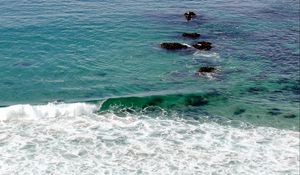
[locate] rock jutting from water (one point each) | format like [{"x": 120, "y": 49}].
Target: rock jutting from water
[
  {"x": 203, "y": 45},
  {"x": 189, "y": 15},
  {"x": 206, "y": 70},
  {"x": 191, "y": 35},
  {"x": 173, "y": 46}
]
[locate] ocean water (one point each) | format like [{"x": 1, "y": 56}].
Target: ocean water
[{"x": 86, "y": 89}]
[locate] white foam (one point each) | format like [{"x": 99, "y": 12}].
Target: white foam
[
  {"x": 186, "y": 45},
  {"x": 73, "y": 139},
  {"x": 29, "y": 112},
  {"x": 207, "y": 54}
]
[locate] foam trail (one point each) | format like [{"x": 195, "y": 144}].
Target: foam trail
[{"x": 207, "y": 54}]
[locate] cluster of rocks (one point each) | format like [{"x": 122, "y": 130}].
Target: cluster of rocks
[{"x": 201, "y": 45}]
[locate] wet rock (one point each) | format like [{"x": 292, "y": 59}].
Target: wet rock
[
  {"x": 290, "y": 116},
  {"x": 203, "y": 45},
  {"x": 274, "y": 111},
  {"x": 196, "y": 101},
  {"x": 173, "y": 46},
  {"x": 206, "y": 70},
  {"x": 191, "y": 35},
  {"x": 189, "y": 15},
  {"x": 239, "y": 111}
]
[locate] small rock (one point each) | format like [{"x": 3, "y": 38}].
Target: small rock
[
  {"x": 203, "y": 45},
  {"x": 191, "y": 35},
  {"x": 206, "y": 70},
  {"x": 173, "y": 46},
  {"x": 189, "y": 15}
]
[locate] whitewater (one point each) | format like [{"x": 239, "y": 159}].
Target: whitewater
[{"x": 75, "y": 138}]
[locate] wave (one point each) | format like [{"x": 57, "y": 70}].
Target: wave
[
  {"x": 77, "y": 138},
  {"x": 51, "y": 110},
  {"x": 137, "y": 103},
  {"x": 169, "y": 101}
]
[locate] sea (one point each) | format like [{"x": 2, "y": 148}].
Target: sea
[{"x": 85, "y": 87}]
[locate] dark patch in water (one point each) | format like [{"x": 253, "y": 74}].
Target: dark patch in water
[
  {"x": 274, "y": 111},
  {"x": 196, "y": 118},
  {"x": 290, "y": 116},
  {"x": 101, "y": 74},
  {"x": 23, "y": 64},
  {"x": 196, "y": 101},
  {"x": 278, "y": 91},
  {"x": 295, "y": 88},
  {"x": 256, "y": 90},
  {"x": 155, "y": 101},
  {"x": 239, "y": 111},
  {"x": 9, "y": 83}
]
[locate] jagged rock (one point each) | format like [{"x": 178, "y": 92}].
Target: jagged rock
[
  {"x": 173, "y": 46},
  {"x": 203, "y": 45},
  {"x": 206, "y": 70},
  {"x": 191, "y": 35},
  {"x": 189, "y": 15}
]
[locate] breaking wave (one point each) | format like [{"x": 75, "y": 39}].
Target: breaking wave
[{"x": 79, "y": 138}]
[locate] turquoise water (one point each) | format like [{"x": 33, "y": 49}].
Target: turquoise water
[{"x": 93, "y": 71}]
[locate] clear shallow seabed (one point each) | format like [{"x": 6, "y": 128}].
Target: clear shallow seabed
[{"x": 86, "y": 89}]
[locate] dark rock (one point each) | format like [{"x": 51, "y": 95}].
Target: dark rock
[
  {"x": 239, "y": 111},
  {"x": 189, "y": 15},
  {"x": 196, "y": 101},
  {"x": 290, "y": 116},
  {"x": 274, "y": 111},
  {"x": 203, "y": 45},
  {"x": 206, "y": 70},
  {"x": 173, "y": 46},
  {"x": 191, "y": 35}
]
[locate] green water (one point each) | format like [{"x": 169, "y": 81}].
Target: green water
[{"x": 90, "y": 51}]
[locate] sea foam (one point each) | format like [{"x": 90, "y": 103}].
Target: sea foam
[{"x": 75, "y": 139}]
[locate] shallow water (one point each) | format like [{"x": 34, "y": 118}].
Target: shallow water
[{"x": 121, "y": 104}]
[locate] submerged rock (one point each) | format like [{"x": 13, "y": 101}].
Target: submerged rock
[
  {"x": 173, "y": 46},
  {"x": 196, "y": 101},
  {"x": 274, "y": 111},
  {"x": 191, "y": 35},
  {"x": 239, "y": 111},
  {"x": 256, "y": 90},
  {"x": 203, "y": 45},
  {"x": 189, "y": 15},
  {"x": 290, "y": 116},
  {"x": 206, "y": 70}
]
